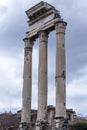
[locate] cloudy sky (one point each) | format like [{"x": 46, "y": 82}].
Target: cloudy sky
[{"x": 13, "y": 25}]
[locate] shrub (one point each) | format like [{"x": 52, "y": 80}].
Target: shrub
[{"x": 79, "y": 126}]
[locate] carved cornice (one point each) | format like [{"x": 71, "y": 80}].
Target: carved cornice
[
  {"x": 40, "y": 11},
  {"x": 43, "y": 16}
]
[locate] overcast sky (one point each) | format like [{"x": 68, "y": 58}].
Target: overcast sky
[{"x": 13, "y": 25}]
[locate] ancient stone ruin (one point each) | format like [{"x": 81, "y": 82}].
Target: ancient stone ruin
[{"x": 44, "y": 18}]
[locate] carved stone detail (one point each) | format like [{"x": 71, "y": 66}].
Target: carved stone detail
[{"x": 44, "y": 18}]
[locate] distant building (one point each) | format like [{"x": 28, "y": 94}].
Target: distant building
[{"x": 10, "y": 121}]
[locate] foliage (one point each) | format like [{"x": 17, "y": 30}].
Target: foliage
[{"x": 79, "y": 126}]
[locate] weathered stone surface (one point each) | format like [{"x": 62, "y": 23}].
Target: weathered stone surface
[
  {"x": 27, "y": 82},
  {"x": 60, "y": 70},
  {"x": 44, "y": 18},
  {"x": 42, "y": 76}
]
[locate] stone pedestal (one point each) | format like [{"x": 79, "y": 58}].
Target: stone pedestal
[
  {"x": 46, "y": 18},
  {"x": 60, "y": 70},
  {"x": 27, "y": 84},
  {"x": 24, "y": 126},
  {"x": 41, "y": 125},
  {"x": 61, "y": 124}
]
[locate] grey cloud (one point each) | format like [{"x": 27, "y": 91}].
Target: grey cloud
[
  {"x": 13, "y": 31},
  {"x": 79, "y": 104},
  {"x": 76, "y": 50},
  {"x": 3, "y": 10}
]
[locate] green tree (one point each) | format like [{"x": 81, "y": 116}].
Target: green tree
[{"x": 79, "y": 126}]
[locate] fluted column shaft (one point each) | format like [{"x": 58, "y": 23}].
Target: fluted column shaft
[
  {"x": 60, "y": 70},
  {"x": 27, "y": 82},
  {"x": 42, "y": 76}
]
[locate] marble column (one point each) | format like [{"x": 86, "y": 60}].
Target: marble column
[
  {"x": 60, "y": 70},
  {"x": 42, "y": 76},
  {"x": 27, "y": 82}
]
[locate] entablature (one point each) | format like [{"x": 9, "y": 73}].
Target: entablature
[
  {"x": 40, "y": 11},
  {"x": 42, "y": 16}
]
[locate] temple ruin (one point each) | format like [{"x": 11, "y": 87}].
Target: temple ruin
[{"x": 44, "y": 18}]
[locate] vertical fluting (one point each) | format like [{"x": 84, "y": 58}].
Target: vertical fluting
[
  {"x": 42, "y": 76},
  {"x": 27, "y": 82},
  {"x": 60, "y": 70}
]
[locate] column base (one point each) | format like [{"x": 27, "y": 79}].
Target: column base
[
  {"x": 41, "y": 125},
  {"x": 61, "y": 123},
  {"x": 24, "y": 126}
]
